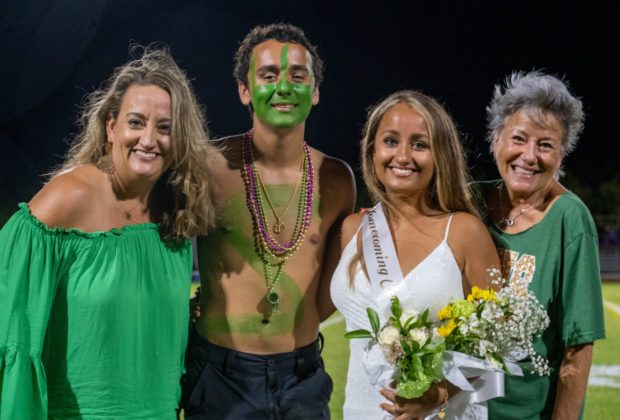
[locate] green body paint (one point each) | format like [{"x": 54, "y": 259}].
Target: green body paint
[
  {"x": 264, "y": 97},
  {"x": 235, "y": 228}
]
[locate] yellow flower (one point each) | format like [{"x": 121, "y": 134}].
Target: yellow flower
[
  {"x": 446, "y": 329},
  {"x": 477, "y": 293},
  {"x": 445, "y": 313}
]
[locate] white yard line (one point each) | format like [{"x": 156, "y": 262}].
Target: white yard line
[
  {"x": 612, "y": 306},
  {"x": 331, "y": 321},
  {"x": 605, "y": 375}
]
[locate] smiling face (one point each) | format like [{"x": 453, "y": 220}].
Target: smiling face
[
  {"x": 282, "y": 89},
  {"x": 140, "y": 134},
  {"x": 528, "y": 153},
  {"x": 402, "y": 157}
]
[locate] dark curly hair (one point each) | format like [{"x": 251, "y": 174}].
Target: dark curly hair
[{"x": 281, "y": 32}]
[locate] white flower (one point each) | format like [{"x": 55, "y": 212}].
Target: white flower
[
  {"x": 408, "y": 313},
  {"x": 388, "y": 335},
  {"x": 490, "y": 361},
  {"x": 485, "y": 346},
  {"x": 472, "y": 325},
  {"x": 420, "y": 335},
  {"x": 491, "y": 311}
]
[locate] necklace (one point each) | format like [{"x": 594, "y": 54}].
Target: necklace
[
  {"x": 510, "y": 221},
  {"x": 278, "y": 226},
  {"x": 127, "y": 213},
  {"x": 272, "y": 252}
]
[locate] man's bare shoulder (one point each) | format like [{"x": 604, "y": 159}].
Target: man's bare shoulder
[
  {"x": 226, "y": 157},
  {"x": 68, "y": 197},
  {"x": 336, "y": 178},
  {"x": 332, "y": 167}
]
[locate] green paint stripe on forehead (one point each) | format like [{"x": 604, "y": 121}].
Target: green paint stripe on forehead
[
  {"x": 252, "y": 76},
  {"x": 284, "y": 57}
]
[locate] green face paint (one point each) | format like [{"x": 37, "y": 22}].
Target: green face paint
[{"x": 272, "y": 102}]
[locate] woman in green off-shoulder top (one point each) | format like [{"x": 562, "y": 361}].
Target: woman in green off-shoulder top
[{"x": 95, "y": 271}]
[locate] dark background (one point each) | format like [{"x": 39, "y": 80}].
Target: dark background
[{"x": 52, "y": 53}]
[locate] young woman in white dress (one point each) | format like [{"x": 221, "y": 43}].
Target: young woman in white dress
[{"x": 414, "y": 166}]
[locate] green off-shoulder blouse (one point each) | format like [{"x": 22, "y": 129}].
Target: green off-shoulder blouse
[{"x": 92, "y": 325}]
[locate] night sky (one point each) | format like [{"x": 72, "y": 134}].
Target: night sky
[{"x": 54, "y": 52}]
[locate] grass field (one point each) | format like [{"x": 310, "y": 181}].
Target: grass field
[{"x": 601, "y": 402}]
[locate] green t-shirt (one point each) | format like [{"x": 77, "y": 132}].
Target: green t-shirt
[
  {"x": 92, "y": 325},
  {"x": 559, "y": 259}
]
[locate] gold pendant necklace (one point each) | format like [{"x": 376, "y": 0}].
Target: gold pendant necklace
[{"x": 278, "y": 225}]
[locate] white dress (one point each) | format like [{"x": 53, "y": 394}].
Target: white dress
[{"x": 432, "y": 284}]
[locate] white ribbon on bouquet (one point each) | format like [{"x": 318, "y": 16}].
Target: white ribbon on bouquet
[{"x": 470, "y": 402}]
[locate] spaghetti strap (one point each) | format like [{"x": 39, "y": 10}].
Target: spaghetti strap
[{"x": 445, "y": 237}]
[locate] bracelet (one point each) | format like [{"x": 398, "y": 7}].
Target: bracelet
[{"x": 444, "y": 404}]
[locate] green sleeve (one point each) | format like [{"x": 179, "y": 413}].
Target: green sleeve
[
  {"x": 581, "y": 308},
  {"x": 29, "y": 260}
]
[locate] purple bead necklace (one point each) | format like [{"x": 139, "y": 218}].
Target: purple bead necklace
[{"x": 272, "y": 252}]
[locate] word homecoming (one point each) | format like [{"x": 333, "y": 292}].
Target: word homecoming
[{"x": 376, "y": 244}]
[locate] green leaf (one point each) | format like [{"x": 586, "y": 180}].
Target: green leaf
[
  {"x": 416, "y": 363},
  {"x": 408, "y": 325},
  {"x": 433, "y": 348},
  {"x": 358, "y": 334},
  {"x": 424, "y": 317},
  {"x": 374, "y": 320},
  {"x": 406, "y": 347},
  {"x": 396, "y": 310}
]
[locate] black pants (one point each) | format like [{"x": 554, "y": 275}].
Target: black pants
[{"x": 223, "y": 383}]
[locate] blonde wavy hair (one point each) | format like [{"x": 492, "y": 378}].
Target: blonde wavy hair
[
  {"x": 181, "y": 200},
  {"x": 449, "y": 189}
]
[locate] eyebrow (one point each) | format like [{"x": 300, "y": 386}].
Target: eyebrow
[
  {"x": 268, "y": 68},
  {"x": 414, "y": 136},
  {"x": 142, "y": 116},
  {"x": 525, "y": 133},
  {"x": 299, "y": 67},
  {"x": 136, "y": 114}
]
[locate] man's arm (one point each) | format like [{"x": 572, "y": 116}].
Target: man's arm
[{"x": 572, "y": 381}]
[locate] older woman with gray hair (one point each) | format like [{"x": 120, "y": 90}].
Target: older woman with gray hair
[{"x": 546, "y": 238}]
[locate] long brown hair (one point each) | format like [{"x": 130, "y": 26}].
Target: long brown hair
[{"x": 182, "y": 201}]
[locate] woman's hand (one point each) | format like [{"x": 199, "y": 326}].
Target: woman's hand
[{"x": 416, "y": 408}]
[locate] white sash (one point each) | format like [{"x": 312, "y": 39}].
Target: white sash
[{"x": 380, "y": 256}]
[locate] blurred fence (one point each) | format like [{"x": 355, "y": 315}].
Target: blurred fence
[{"x": 609, "y": 249}]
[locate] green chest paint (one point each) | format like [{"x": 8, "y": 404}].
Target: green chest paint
[{"x": 234, "y": 229}]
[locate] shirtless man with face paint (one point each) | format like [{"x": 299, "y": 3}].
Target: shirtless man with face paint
[{"x": 254, "y": 352}]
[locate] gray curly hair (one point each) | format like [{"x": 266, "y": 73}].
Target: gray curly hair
[{"x": 538, "y": 94}]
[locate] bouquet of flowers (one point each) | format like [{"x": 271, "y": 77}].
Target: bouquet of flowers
[
  {"x": 495, "y": 327},
  {"x": 408, "y": 342}
]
